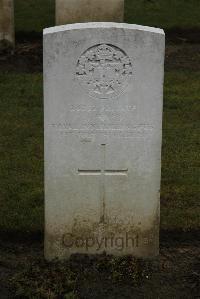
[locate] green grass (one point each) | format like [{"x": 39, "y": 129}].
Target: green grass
[
  {"x": 34, "y": 15},
  {"x": 180, "y": 207},
  {"x": 21, "y": 152},
  {"x": 163, "y": 13}
]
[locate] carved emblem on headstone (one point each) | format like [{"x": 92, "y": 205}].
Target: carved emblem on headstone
[{"x": 104, "y": 71}]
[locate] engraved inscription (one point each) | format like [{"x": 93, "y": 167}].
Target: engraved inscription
[
  {"x": 125, "y": 131},
  {"x": 104, "y": 71},
  {"x": 103, "y": 108}
]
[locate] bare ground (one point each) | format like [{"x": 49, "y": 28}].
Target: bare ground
[{"x": 24, "y": 273}]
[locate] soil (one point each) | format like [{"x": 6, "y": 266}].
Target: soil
[
  {"x": 179, "y": 35},
  {"x": 176, "y": 274},
  {"x": 27, "y": 57}
]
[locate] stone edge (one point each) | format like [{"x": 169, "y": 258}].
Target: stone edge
[{"x": 106, "y": 25}]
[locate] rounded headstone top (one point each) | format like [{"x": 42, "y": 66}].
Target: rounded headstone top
[{"x": 105, "y": 25}]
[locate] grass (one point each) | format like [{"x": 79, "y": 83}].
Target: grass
[
  {"x": 180, "y": 207},
  {"x": 163, "y": 13},
  {"x": 34, "y": 15},
  {"x": 21, "y": 152}
]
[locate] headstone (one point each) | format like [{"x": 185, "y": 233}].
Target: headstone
[
  {"x": 6, "y": 24},
  {"x": 103, "y": 85},
  {"x": 79, "y": 11}
]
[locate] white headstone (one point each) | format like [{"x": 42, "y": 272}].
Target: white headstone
[
  {"x": 103, "y": 85},
  {"x": 78, "y": 11},
  {"x": 6, "y": 23}
]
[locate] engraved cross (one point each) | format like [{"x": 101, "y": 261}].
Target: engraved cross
[{"x": 103, "y": 171}]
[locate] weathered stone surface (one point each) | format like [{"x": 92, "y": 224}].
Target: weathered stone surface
[
  {"x": 78, "y": 11},
  {"x": 103, "y": 85},
  {"x": 6, "y": 24}
]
